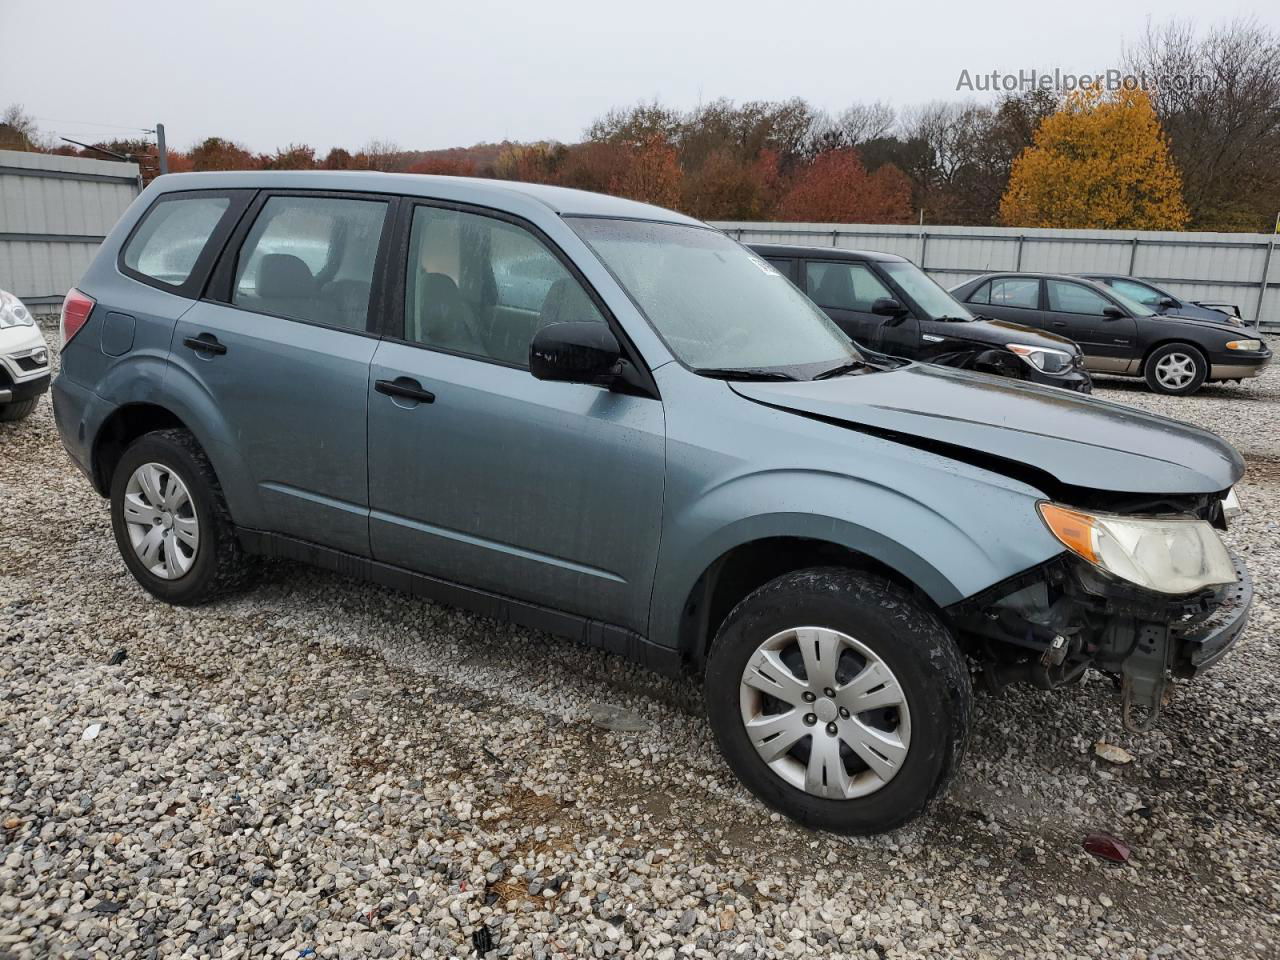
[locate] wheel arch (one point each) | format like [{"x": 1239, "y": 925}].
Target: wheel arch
[
  {"x": 1169, "y": 342},
  {"x": 121, "y": 428},
  {"x": 739, "y": 571}
]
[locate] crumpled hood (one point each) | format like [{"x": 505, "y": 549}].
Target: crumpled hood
[{"x": 1076, "y": 439}]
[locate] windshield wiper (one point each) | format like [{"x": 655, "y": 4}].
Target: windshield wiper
[
  {"x": 955, "y": 319},
  {"x": 845, "y": 366},
  {"x": 743, "y": 373}
]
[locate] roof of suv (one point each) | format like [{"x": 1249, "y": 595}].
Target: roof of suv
[
  {"x": 562, "y": 200},
  {"x": 825, "y": 253}
]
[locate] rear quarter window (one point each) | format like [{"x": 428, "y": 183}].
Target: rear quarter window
[{"x": 168, "y": 242}]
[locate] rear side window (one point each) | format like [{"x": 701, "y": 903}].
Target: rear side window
[
  {"x": 171, "y": 237},
  {"x": 1067, "y": 297},
  {"x": 311, "y": 258},
  {"x": 844, "y": 286},
  {"x": 1015, "y": 292}
]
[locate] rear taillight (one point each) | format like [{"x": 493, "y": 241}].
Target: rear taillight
[{"x": 75, "y": 311}]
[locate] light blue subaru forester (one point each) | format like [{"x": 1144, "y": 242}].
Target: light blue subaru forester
[{"x": 610, "y": 421}]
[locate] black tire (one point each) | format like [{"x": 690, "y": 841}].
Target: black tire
[
  {"x": 1151, "y": 369},
  {"x": 220, "y": 565},
  {"x": 20, "y": 410},
  {"x": 905, "y": 635}
]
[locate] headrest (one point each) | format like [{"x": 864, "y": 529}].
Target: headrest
[
  {"x": 284, "y": 275},
  {"x": 439, "y": 289},
  {"x": 836, "y": 288},
  {"x": 566, "y": 302}
]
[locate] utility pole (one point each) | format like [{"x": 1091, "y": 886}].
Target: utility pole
[{"x": 161, "y": 152}]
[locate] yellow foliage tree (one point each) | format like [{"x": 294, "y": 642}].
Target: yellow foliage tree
[{"x": 1097, "y": 162}]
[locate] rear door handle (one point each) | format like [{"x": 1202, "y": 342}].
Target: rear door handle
[
  {"x": 1059, "y": 323},
  {"x": 404, "y": 387},
  {"x": 205, "y": 343}
]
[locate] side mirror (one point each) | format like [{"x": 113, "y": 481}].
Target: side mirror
[
  {"x": 1112, "y": 312},
  {"x": 1167, "y": 303},
  {"x": 887, "y": 307},
  {"x": 578, "y": 352}
]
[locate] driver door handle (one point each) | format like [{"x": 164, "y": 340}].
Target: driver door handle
[{"x": 404, "y": 387}]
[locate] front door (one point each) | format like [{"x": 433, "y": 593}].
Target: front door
[
  {"x": 281, "y": 348},
  {"x": 845, "y": 291},
  {"x": 481, "y": 474},
  {"x": 1080, "y": 312}
]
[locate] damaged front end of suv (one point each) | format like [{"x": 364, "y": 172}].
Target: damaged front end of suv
[
  {"x": 1145, "y": 591},
  {"x": 1140, "y": 586}
]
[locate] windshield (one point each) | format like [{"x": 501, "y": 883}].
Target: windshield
[
  {"x": 924, "y": 290},
  {"x": 716, "y": 305},
  {"x": 1130, "y": 304}
]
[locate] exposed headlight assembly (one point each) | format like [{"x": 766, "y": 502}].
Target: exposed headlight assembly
[
  {"x": 13, "y": 313},
  {"x": 1165, "y": 554},
  {"x": 1244, "y": 345},
  {"x": 1044, "y": 359}
]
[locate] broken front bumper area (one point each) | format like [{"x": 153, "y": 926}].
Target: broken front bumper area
[{"x": 1050, "y": 624}]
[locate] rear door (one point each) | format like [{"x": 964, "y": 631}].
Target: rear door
[
  {"x": 281, "y": 345},
  {"x": 1078, "y": 311},
  {"x": 1016, "y": 299},
  {"x": 481, "y": 474}
]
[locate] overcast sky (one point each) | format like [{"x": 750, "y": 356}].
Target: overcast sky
[{"x": 429, "y": 74}]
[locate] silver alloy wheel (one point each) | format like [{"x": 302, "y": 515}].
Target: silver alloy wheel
[
  {"x": 1175, "y": 370},
  {"x": 825, "y": 713},
  {"x": 161, "y": 520}
]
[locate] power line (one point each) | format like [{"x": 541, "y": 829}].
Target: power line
[{"x": 91, "y": 123}]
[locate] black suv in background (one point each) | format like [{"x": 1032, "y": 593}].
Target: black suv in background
[
  {"x": 1119, "y": 335},
  {"x": 870, "y": 294}
]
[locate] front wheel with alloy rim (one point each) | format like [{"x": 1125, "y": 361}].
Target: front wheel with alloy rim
[
  {"x": 1176, "y": 369},
  {"x": 839, "y": 699},
  {"x": 170, "y": 521}
]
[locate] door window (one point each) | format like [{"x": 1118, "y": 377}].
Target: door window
[
  {"x": 1067, "y": 297},
  {"x": 311, "y": 258},
  {"x": 844, "y": 286},
  {"x": 483, "y": 287},
  {"x": 1015, "y": 292},
  {"x": 1137, "y": 291},
  {"x": 171, "y": 237}
]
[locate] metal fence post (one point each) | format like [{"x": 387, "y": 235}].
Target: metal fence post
[
  {"x": 1018, "y": 264},
  {"x": 924, "y": 246},
  {"x": 1133, "y": 255},
  {"x": 1262, "y": 287}
]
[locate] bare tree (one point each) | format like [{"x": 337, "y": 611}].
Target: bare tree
[
  {"x": 18, "y": 130},
  {"x": 866, "y": 121},
  {"x": 1218, "y": 99}
]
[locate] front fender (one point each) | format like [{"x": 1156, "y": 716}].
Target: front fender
[{"x": 950, "y": 545}]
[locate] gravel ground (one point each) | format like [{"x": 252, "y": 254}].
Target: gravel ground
[{"x": 326, "y": 768}]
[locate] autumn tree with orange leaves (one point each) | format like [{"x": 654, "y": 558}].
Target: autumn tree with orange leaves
[
  {"x": 835, "y": 188},
  {"x": 1099, "y": 162},
  {"x": 653, "y": 174}
]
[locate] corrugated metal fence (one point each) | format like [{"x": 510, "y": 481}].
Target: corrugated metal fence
[
  {"x": 1237, "y": 268},
  {"x": 54, "y": 211}
]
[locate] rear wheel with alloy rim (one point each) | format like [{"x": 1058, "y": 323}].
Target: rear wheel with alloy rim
[
  {"x": 170, "y": 521},
  {"x": 1177, "y": 369},
  {"x": 839, "y": 699}
]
